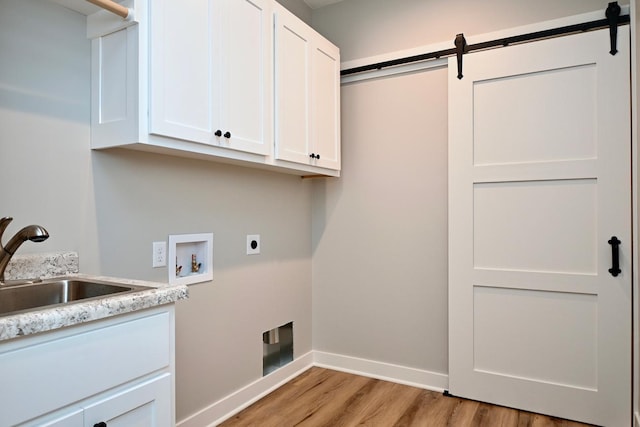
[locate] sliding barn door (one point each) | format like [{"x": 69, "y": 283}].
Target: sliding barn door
[{"x": 539, "y": 170}]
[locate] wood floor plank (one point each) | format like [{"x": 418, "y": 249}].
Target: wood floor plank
[
  {"x": 342, "y": 412},
  {"x": 418, "y": 409},
  {"x": 464, "y": 414},
  {"x": 498, "y": 416},
  {"x": 445, "y": 410},
  {"x": 320, "y": 410},
  {"x": 325, "y": 398},
  {"x": 269, "y": 411},
  {"x": 382, "y": 404}
]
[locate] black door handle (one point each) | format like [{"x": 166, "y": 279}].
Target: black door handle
[
  {"x": 615, "y": 256},
  {"x": 218, "y": 133},
  {"x": 227, "y": 134}
]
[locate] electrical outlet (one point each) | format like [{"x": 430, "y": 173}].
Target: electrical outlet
[
  {"x": 159, "y": 254},
  {"x": 253, "y": 244}
]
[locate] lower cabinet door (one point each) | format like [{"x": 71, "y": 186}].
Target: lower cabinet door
[
  {"x": 73, "y": 418},
  {"x": 143, "y": 405}
]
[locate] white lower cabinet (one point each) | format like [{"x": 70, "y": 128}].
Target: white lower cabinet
[{"x": 108, "y": 373}]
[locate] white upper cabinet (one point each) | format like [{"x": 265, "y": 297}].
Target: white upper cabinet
[
  {"x": 210, "y": 72},
  {"x": 197, "y": 79},
  {"x": 307, "y": 94}
]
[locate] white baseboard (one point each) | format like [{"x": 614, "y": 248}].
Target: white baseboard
[
  {"x": 636, "y": 419},
  {"x": 232, "y": 404},
  {"x": 383, "y": 371}
]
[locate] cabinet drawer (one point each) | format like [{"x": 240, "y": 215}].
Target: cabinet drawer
[{"x": 47, "y": 375}]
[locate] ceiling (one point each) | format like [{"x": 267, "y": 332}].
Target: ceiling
[
  {"x": 87, "y": 8},
  {"x": 315, "y": 4}
]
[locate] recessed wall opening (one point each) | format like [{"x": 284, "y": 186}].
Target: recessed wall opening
[{"x": 277, "y": 348}]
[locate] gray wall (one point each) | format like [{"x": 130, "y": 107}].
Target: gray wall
[
  {"x": 635, "y": 54},
  {"x": 380, "y": 231},
  {"x": 110, "y": 205},
  {"x": 363, "y": 28},
  {"x": 298, "y": 8}
]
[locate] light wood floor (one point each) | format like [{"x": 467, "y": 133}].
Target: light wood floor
[{"x": 322, "y": 397}]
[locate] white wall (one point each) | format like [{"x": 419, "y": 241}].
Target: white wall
[
  {"x": 110, "y": 205},
  {"x": 379, "y": 233}
]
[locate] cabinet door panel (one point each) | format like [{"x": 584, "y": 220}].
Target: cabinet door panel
[
  {"x": 69, "y": 419},
  {"x": 326, "y": 104},
  {"x": 181, "y": 49},
  {"x": 145, "y": 405},
  {"x": 293, "y": 89},
  {"x": 114, "y": 105},
  {"x": 244, "y": 63}
]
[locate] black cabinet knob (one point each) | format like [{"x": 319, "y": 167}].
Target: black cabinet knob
[
  {"x": 318, "y": 156},
  {"x": 100, "y": 424},
  {"x": 218, "y": 133},
  {"x": 227, "y": 135},
  {"x": 314, "y": 156}
]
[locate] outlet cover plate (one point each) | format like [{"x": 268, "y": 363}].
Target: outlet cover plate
[
  {"x": 159, "y": 254},
  {"x": 253, "y": 244}
]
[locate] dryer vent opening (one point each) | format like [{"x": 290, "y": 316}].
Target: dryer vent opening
[{"x": 277, "y": 348}]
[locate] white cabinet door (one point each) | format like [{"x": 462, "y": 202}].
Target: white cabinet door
[
  {"x": 182, "y": 98},
  {"x": 325, "y": 103},
  {"x": 210, "y": 72},
  {"x": 293, "y": 88},
  {"x": 74, "y": 418},
  {"x": 242, "y": 72},
  {"x": 145, "y": 405},
  {"x": 307, "y": 82},
  {"x": 539, "y": 182}
]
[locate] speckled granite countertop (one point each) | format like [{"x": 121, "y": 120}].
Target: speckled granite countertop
[{"x": 59, "y": 316}]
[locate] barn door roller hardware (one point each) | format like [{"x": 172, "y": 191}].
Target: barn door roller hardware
[
  {"x": 612, "y": 20},
  {"x": 613, "y": 15},
  {"x": 461, "y": 49}
]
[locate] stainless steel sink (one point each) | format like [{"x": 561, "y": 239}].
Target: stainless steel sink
[{"x": 19, "y": 298}]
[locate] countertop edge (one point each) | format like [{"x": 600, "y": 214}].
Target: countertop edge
[{"x": 55, "y": 317}]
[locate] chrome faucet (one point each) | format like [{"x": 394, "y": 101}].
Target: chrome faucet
[{"x": 35, "y": 233}]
